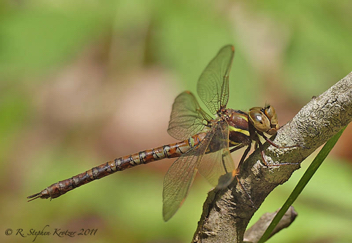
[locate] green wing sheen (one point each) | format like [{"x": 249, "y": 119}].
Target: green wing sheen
[
  {"x": 213, "y": 84},
  {"x": 217, "y": 160},
  {"x": 211, "y": 158},
  {"x": 187, "y": 118}
]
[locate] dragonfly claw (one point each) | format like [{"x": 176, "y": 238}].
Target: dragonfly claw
[
  {"x": 43, "y": 194},
  {"x": 34, "y": 196}
]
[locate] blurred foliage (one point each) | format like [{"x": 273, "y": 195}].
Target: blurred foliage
[{"x": 84, "y": 81}]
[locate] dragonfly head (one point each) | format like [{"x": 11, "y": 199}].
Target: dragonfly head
[{"x": 264, "y": 119}]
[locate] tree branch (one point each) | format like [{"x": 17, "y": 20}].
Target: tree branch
[
  {"x": 226, "y": 212},
  {"x": 255, "y": 232}
]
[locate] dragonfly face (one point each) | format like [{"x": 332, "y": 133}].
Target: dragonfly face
[{"x": 264, "y": 119}]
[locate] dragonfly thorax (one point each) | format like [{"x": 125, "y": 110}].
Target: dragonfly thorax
[
  {"x": 244, "y": 125},
  {"x": 239, "y": 127}
]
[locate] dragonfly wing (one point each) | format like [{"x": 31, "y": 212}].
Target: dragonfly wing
[
  {"x": 213, "y": 84},
  {"x": 215, "y": 165},
  {"x": 218, "y": 161},
  {"x": 180, "y": 176},
  {"x": 176, "y": 185},
  {"x": 187, "y": 118}
]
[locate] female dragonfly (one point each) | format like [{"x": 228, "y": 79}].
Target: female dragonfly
[{"x": 206, "y": 142}]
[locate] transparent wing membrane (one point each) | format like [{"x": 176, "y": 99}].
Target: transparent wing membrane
[
  {"x": 176, "y": 189},
  {"x": 180, "y": 176},
  {"x": 213, "y": 84},
  {"x": 187, "y": 118},
  {"x": 217, "y": 161},
  {"x": 211, "y": 158}
]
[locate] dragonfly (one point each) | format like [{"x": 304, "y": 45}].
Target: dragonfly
[{"x": 206, "y": 141}]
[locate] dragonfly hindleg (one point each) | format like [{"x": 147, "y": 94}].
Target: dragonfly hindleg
[{"x": 276, "y": 146}]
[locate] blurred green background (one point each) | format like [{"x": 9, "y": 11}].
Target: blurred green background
[{"x": 84, "y": 82}]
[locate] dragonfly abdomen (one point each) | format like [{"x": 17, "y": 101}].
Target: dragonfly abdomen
[
  {"x": 119, "y": 164},
  {"x": 150, "y": 155}
]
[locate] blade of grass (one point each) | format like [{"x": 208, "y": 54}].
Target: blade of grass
[{"x": 318, "y": 160}]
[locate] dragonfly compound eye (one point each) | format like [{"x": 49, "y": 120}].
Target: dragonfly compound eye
[
  {"x": 259, "y": 120},
  {"x": 271, "y": 114}
]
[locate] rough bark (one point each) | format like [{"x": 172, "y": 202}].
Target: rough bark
[{"x": 227, "y": 212}]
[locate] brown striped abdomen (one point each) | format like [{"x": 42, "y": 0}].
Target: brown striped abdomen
[{"x": 143, "y": 157}]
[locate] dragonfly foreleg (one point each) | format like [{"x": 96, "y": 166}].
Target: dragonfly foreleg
[{"x": 278, "y": 146}]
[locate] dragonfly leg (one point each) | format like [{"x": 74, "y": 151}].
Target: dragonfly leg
[
  {"x": 236, "y": 172},
  {"x": 223, "y": 162},
  {"x": 228, "y": 177},
  {"x": 260, "y": 145},
  {"x": 243, "y": 157},
  {"x": 276, "y": 146}
]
